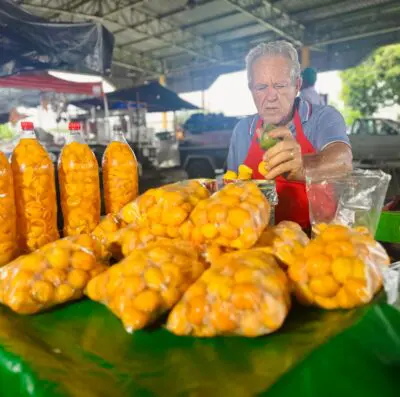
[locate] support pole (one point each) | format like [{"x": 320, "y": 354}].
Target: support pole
[
  {"x": 162, "y": 81},
  {"x": 305, "y": 57}
]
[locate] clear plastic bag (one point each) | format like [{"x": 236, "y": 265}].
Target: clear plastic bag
[
  {"x": 79, "y": 185},
  {"x": 165, "y": 208},
  {"x": 35, "y": 193},
  {"x": 148, "y": 282},
  {"x": 233, "y": 217},
  {"x": 286, "y": 240},
  {"x": 8, "y": 217},
  {"x": 340, "y": 268},
  {"x": 54, "y": 274},
  {"x": 354, "y": 199},
  {"x": 120, "y": 174},
  {"x": 243, "y": 293}
]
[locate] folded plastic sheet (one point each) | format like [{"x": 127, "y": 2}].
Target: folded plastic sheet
[{"x": 82, "y": 350}]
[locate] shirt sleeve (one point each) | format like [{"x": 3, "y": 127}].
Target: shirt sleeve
[
  {"x": 330, "y": 128},
  {"x": 232, "y": 160}
]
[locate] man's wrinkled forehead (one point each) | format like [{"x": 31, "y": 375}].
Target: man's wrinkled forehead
[{"x": 270, "y": 68}]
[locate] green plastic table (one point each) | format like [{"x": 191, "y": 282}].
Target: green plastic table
[{"x": 82, "y": 350}]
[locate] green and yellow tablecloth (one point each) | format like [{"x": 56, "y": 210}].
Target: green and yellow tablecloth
[{"x": 82, "y": 350}]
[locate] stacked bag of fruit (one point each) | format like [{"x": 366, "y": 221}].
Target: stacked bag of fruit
[
  {"x": 158, "y": 213},
  {"x": 54, "y": 274}
]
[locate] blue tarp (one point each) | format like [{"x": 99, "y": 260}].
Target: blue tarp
[
  {"x": 28, "y": 42},
  {"x": 153, "y": 95}
]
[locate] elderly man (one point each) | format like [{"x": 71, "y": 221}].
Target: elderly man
[{"x": 312, "y": 138}]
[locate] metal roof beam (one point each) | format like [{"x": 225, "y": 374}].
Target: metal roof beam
[
  {"x": 337, "y": 9},
  {"x": 152, "y": 26},
  {"x": 272, "y": 18}
]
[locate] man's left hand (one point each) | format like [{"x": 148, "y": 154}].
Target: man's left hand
[{"x": 285, "y": 157}]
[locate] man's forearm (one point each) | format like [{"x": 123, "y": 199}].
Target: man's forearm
[{"x": 335, "y": 159}]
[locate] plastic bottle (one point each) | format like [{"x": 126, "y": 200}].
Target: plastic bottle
[
  {"x": 78, "y": 173},
  {"x": 120, "y": 173},
  {"x": 35, "y": 192},
  {"x": 8, "y": 216}
]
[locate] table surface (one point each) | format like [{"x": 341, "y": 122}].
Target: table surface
[{"x": 81, "y": 349}]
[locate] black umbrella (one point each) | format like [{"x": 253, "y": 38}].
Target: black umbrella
[{"x": 154, "y": 96}]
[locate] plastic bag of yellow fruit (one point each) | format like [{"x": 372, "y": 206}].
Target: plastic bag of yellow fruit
[
  {"x": 285, "y": 240},
  {"x": 78, "y": 173},
  {"x": 104, "y": 231},
  {"x": 56, "y": 273},
  {"x": 8, "y": 217},
  {"x": 120, "y": 173},
  {"x": 148, "y": 282},
  {"x": 165, "y": 208},
  {"x": 243, "y": 293},
  {"x": 233, "y": 217},
  {"x": 35, "y": 192},
  {"x": 340, "y": 268}
]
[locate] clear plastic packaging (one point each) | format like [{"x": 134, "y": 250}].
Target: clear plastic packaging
[
  {"x": 120, "y": 173},
  {"x": 54, "y": 274},
  {"x": 243, "y": 293},
  {"x": 104, "y": 233},
  {"x": 233, "y": 217},
  {"x": 78, "y": 173},
  {"x": 286, "y": 241},
  {"x": 340, "y": 268},
  {"x": 148, "y": 282},
  {"x": 8, "y": 216},
  {"x": 354, "y": 199},
  {"x": 35, "y": 192},
  {"x": 166, "y": 208},
  {"x": 268, "y": 188}
]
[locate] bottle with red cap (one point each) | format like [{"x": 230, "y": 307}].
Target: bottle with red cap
[
  {"x": 78, "y": 174},
  {"x": 120, "y": 173},
  {"x": 8, "y": 216},
  {"x": 35, "y": 192}
]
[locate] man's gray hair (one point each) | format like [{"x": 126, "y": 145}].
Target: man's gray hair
[{"x": 274, "y": 48}]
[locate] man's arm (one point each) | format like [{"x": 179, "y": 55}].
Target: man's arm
[
  {"x": 333, "y": 155},
  {"x": 336, "y": 158}
]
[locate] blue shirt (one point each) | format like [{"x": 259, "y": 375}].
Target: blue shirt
[{"x": 324, "y": 126}]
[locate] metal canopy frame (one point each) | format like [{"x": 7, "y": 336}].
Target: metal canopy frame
[{"x": 191, "y": 38}]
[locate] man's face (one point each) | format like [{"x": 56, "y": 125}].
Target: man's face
[{"x": 272, "y": 89}]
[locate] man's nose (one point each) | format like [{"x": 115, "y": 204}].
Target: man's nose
[{"x": 271, "y": 94}]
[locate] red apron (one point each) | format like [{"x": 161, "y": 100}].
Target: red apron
[{"x": 292, "y": 195}]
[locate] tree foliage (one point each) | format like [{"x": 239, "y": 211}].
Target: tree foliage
[{"x": 374, "y": 83}]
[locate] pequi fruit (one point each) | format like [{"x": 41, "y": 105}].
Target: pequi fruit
[{"x": 267, "y": 142}]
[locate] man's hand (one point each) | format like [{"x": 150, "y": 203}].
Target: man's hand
[{"x": 285, "y": 157}]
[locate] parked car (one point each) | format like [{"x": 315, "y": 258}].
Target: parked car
[{"x": 375, "y": 140}]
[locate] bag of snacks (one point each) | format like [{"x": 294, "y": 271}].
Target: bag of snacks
[
  {"x": 104, "y": 232},
  {"x": 148, "y": 282},
  {"x": 120, "y": 173},
  {"x": 243, "y": 293},
  {"x": 79, "y": 185},
  {"x": 233, "y": 217},
  {"x": 165, "y": 208},
  {"x": 8, "y": 217},
  {"x": 56, "y": 273},
  {"x": 340, "y": 268},
  {"x": 353, "y": 200},
  {"x": 286, "y": 241},
  {"x": 35, "y": 192}
]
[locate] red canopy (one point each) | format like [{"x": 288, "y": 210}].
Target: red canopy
[{"x": 46, "y": 82}]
